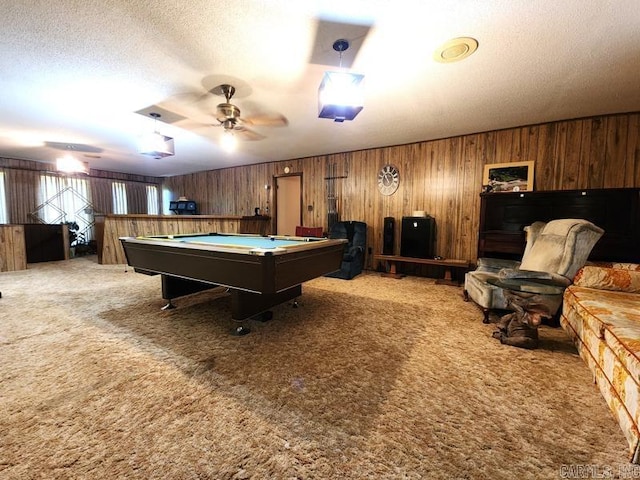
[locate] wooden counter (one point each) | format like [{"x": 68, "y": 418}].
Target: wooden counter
[
  {"x": 13, "y": 251},
  {"x": 109, "y": 228}
]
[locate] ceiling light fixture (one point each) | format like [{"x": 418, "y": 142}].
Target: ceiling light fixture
[
  {"x": 341, "y": 94},
  {"x": 455, "y": 50},
  {"x": 155, "y": 144},
  {"x": 69, "y": 164}
]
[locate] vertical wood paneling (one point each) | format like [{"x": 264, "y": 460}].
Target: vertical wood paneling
[
  {"x": 597, "y": 153},
  {"x": 13, "y": 252},
  {"x": 447, "y": 232},
  {"x": 442, "y": 177},
  {"x": 544, "y": 157},
  {"x": 633, "y": 152},
  {"x": 615, "y": 151},
  {"x": 585, "y": 154},
  {"x": 559, "y": 151},
  {"x": 571, "y": 155},
  {"x": 469, "y": 178},
  {"x": 437, "y": 209},
  {"x": 516, "y": 145},
  {"x": 504, "y": 146}
]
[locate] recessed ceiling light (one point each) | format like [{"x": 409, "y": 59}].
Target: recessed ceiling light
[{"x": 455, "y": 49}]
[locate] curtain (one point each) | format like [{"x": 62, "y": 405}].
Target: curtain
[
  {"x": 119, "y": 193},
  {"x": 21, "y": 191},
  {"x": 124, "y": 197},
  {"x": 152, "y": 200},
  {"x": 102, "y": 195},
  {"x": 66, "y": 200},
  {"x": 136, "y": 197}
]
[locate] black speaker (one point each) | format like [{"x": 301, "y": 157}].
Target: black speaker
[
  {"x": 388, "y": 235},
  {"x": 417, "y": 237}
]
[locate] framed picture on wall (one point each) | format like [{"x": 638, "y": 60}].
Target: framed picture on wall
[{"x": 508, "y": 177}]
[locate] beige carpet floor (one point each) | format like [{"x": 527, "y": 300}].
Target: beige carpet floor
[{"x": 369, "y": 378}]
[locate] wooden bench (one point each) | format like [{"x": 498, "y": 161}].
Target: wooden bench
[{"x": 391, "y": 262}]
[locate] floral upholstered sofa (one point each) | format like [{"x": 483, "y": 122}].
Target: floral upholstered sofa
[{"x": 601, "y": 313}]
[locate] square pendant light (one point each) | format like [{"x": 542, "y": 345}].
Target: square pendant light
[
  {"x": 340, "y": 96},
  {"x": 155, "y": 144}
]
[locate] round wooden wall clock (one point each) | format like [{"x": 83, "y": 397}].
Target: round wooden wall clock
[{"x": 388, "y": 179}]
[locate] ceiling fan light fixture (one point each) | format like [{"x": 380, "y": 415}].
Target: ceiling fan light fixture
[
  {"x": 228, "y": 142},
  {"x": 227, "y": 111},
  {"x": 155, "y": 144}
]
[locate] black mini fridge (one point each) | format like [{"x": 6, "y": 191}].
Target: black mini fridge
[{"x": 418, "y": 234}]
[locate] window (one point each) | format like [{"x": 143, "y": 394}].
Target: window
[
  {"x": 119, "y": 191},
  {"x": 3, "y": 201},
  {"x": 66, "y": 200},
  {"x": 167, "y": 194},
  {"x": 152, "y": 200}
]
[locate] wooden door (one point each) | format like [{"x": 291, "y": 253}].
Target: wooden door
[{"x": 288, "y": 204}]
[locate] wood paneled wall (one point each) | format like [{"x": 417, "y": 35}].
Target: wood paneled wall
[
  {"x": 13, "y": 251},
  {"x": 441, "y": 177}
]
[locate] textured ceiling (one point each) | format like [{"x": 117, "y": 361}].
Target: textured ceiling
[{"x": 74, "y": 74}]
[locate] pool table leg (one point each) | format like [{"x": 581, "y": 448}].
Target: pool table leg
[
  {"x": 168, "y": 306},
  {"x": 174, "y": 287},
  {"x": 245, "y": 304}
]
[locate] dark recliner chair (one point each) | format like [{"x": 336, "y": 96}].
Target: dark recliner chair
[{"x": 353, "y": 257}]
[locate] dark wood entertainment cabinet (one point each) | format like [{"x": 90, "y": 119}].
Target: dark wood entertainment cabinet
[{"x": 617, "y": 210}]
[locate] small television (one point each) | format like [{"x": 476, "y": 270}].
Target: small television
[{"x": 184, "y": 207}]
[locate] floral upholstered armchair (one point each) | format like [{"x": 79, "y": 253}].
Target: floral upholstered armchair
[{"x": 555, "y": 251}]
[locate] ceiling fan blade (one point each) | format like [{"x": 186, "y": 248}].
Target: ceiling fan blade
[
  {"x": 248, "y": 134},
  {"x": 266, "y": 120}
]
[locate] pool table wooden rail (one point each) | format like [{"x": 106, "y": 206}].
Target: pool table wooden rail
[{"x": 180, "y": 241}]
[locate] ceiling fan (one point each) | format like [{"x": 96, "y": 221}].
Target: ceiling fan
[{"x": 228, "y": 116}]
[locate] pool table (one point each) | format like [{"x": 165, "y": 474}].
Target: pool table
[{"x": 260, "y": 271}]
